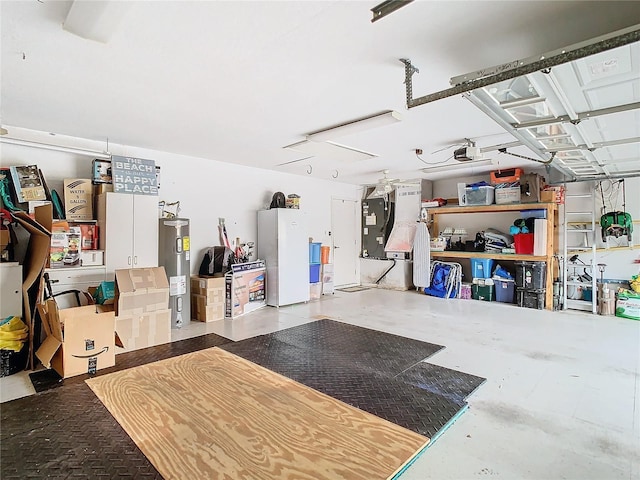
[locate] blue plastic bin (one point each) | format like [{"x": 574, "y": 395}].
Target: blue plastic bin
[
  {"x": 314, "y": 272},
  {"x": 314, "y": 252},
  {"x": 505, "y": 290},
  {"x": 481, "y": 267}
]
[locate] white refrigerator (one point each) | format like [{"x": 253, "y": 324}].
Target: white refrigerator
[{"x": 283, "y": 243}]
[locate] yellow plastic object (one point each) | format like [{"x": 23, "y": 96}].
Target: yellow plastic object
[{"x": 13, "y": 334}]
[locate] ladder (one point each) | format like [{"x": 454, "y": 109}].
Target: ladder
[{"x": 580, "y": 268}]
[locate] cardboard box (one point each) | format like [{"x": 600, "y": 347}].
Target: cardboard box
[
  {"x": 65, "y": 248},
  {"x": 205, "y": 311},
  {"x": 35, "y": 258},
  {"x": 27, "y": 183},
  {"x": 244, "y": 288},
  {"x": 142, "y": 331},
  {"x": 79, "y": 340},
  {"x": 78, "y": 199},
  {"x": 5, "y": 239},
  {"x": 92, "y": 258},
  {"x": 141, "y": 290},
  {"x": 212, "y": 288}
]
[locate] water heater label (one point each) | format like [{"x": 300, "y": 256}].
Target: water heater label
[{"x": 177, "y": 285}]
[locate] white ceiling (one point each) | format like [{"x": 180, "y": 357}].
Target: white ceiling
[{"x": 236, "y": 81}]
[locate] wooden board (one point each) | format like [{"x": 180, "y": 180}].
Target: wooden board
[{"x": 211, "y": 414}]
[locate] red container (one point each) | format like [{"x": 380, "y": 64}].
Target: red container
[{"x": 524, "y": 243}]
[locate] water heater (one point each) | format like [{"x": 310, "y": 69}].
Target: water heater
[{"x": 174, "y": 255}]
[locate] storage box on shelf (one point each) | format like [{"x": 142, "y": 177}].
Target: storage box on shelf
[
  {"x": 531, "y": 298},
  {"x": 482, "y": 289},
  {"x": 549, "y": 211},
  {"x": 481, "y": 267},
  {"x": 479, "y": 195}
]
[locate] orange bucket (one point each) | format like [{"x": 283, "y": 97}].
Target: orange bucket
[{"x": 324, "y": 254}]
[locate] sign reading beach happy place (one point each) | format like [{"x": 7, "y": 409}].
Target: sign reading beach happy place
[{"x": 134, "y": 175}]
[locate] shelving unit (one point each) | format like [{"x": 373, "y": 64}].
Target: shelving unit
[{"x": 552, "y": 217}]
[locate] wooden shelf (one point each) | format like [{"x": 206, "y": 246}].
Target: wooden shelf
[
  {"x": 509, "y": 207},
  {"x": 495, "y": 256},
  {"x": 551, "y": 210}
]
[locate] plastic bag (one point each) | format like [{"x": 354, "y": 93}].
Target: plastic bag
[{"x": 13, "y": 333}]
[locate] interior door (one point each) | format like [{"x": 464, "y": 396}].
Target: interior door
[{"x": 344, "y": 235}]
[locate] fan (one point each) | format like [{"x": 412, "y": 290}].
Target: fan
[{"x": 384, "y": 186}]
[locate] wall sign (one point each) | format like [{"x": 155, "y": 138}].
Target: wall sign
[{"x": 134, "y": 175}]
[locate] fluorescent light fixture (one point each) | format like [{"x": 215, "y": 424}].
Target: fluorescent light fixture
[
  {"x": 387, "y": 7},
  {"x": 457, "y": 166},
  {"x": 355, "y": 126},
  {"x": 57, "y": 148},
  {"x": 95, "y": 20}
]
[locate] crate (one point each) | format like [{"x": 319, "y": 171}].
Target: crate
[
  {"x": 314, "y": 252},
  {"x": 507, "y": 195},
  {"x": 314, "y": 272},
  {"x": 523, "y": 243},
  {"x": 481, "y": 267},
  {"x": 531, "y": 298},
  {"x": 505, "y": 290},
  {"x": 479, "y": 195},
  {"x": 531, "y": 275},
  {"x": 482, "y": 292}
]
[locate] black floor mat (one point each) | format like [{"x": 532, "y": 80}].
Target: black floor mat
[
  {"x": 451, "y": 384},
  {"x": 45, "y": 380},
  {"x": 66, "y": 432}
]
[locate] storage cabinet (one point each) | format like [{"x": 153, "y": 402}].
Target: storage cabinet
[
  {"x": 551, "y": 214},
  {"x": 128, "y": 231},
  {"x": 11, "y": 291},
  {"x": 74, "y": 278}
]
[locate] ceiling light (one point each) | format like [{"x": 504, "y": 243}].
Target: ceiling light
[
  {"x": 387, "y": 7},
  {"x": 95, "y": 20},
  {"x": 457, "y": 166},
  {"x": 56, "y": 148},
  {"x": 355, "y": 126}
]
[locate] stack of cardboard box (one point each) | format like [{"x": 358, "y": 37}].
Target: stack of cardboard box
[
  {"x": 141, "y": 301},
  {"x": 207, "y": 298}
]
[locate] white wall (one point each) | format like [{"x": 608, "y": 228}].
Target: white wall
[{"x": 206, "y": 189}]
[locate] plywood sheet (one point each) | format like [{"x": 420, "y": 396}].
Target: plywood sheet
[{"x": 211, "y": 414}]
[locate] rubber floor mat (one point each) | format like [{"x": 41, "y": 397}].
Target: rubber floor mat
[
  {"x": 357, "y": 366},
  {"x": 357, "y": 288},
  {"x": 454, "y": 385}
]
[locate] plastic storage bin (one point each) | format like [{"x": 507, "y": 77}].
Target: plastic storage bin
[
  {"x": 531, "y": 298},
  {"x": 507, "y": 195},
  {"x": 523, "y": 243},
  {"x": 479, "y": 195},
  {"x": 314, "y": 273},
  {"x": 314, "y": 252},
  {"x": 505, "y": 290},
  {"x": 324, "y": 254},
  {"x": 482, "y": 292},
  {"x": 481, "y": 267},
  {"x": 531, "y": 275}
]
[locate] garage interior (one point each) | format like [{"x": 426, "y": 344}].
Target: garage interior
[{"x": 342, "y": 106}]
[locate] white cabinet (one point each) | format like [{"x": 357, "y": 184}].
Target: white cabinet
[
  {"x": 74, "y": 278},
  {"x": 10, "y": 289},
  {"x": 128, "y": 230}
]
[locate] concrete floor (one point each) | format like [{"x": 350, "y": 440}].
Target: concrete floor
[{"x": 562, "y": 397}]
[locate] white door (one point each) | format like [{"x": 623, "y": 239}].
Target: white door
[{"x": 344, "y": 235}]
